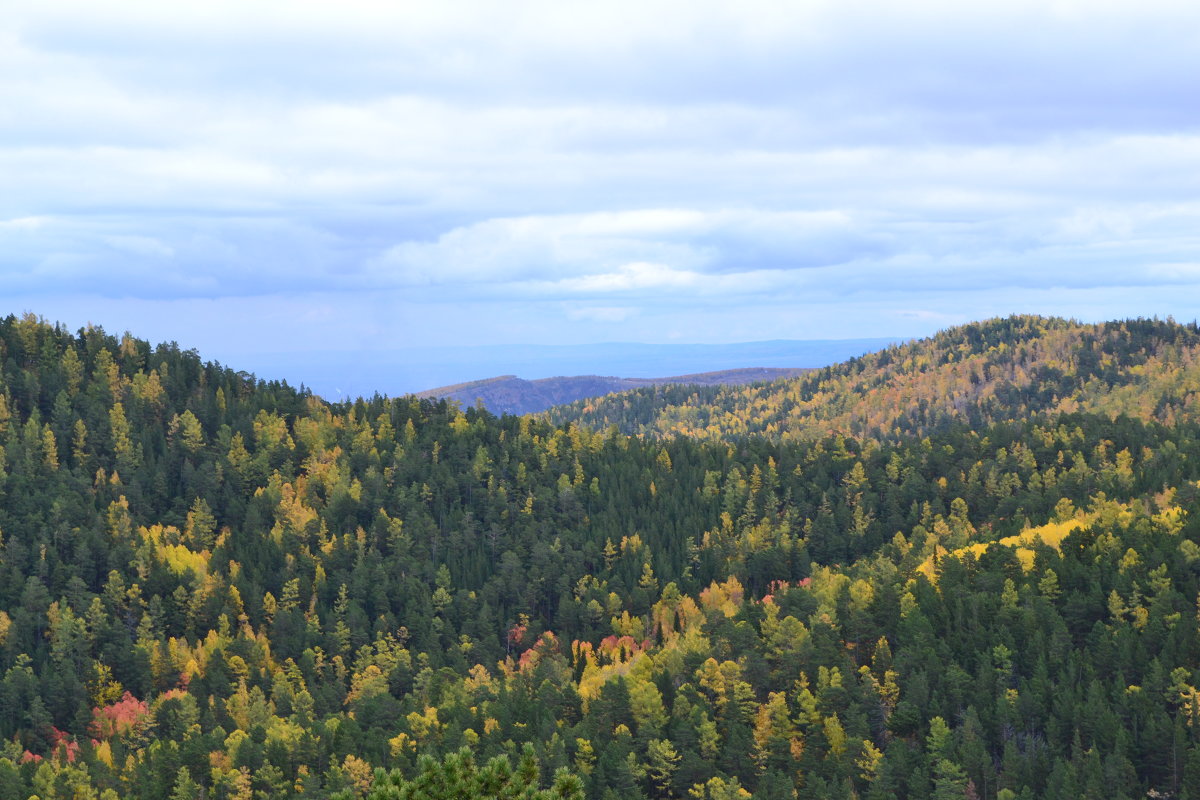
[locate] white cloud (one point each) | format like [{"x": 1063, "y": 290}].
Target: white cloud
[
  {"x": 600, "y": 313},
  {"x": 23, "y": 223},
  {"x": 618, "y": 251},
  {"x": 638, "y": 276},
  {"x": 140, "y": 245},
  {"x": 633, "y": 162},
  {"x": 1188, "y": 273}
]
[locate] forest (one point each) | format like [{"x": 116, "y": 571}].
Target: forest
[
  {"x": 965, "y": 567},
  {"x": 1004, "y": 369}
]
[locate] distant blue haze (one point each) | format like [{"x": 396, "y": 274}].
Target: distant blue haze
[{"x": 412, "y": 370}]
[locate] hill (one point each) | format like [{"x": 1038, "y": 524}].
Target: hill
[
  {"x": 217, "y": 586},
  {"x": 508, "y": 394},
  {"x": 364, "y": 368},
  {"x": 1001, "y": 369}
]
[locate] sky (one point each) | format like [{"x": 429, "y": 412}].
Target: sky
[{"x": 301, "y": 182}]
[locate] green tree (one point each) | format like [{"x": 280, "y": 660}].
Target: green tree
[{"x": 458, "y": 776}]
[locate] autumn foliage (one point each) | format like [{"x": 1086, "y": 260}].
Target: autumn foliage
[{"x": 123, "y": 718}]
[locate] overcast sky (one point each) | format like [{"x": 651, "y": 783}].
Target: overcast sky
[{"x": 258, "y": 177}]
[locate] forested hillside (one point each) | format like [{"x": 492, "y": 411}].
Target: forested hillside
[
  {"x": 1002, "y": 369},
  {"x": 217, "y": 586}
]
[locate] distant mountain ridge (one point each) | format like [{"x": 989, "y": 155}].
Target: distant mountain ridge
[
  {"x": 508, "y": 394},
  {"x": 343, "y": 374}
]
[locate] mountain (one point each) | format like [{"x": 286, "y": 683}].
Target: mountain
[
  {"x": 217, "y": 586},
  {"x": 367, "y": 368},
  {"x": 508, "y": 394},
  {"x": 1000, "y": 369}
]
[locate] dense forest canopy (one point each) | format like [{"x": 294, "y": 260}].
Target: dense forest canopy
[
  {"x": 965, "y": 567},
  {"x": 1001, "y": 369}
]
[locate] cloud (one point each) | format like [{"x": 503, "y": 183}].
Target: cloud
[
  {"x": 554, "y": 169},
  {"x": 975, "y": 65},
  {"x": 23, "y": 224},
  {"x": 288, "y": 79},
  {"x": 539, "y": 247},
  {"x": 600, "y": 313},
  {"x": 629, "y": 250},
  {"x": 972, "y": 242},
  {"x": 638, "y": 276},
  {"x": 140, "y": 246}
]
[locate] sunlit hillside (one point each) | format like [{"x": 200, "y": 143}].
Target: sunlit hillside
[{"x": 1003, "y": 369}]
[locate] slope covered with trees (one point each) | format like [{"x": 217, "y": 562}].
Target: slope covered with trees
[
  {"x": 216, "y": 586},
  {"x": 1002, "y": 369}
]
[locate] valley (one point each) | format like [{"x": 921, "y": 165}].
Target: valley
[{"x": 966, "y": 566}]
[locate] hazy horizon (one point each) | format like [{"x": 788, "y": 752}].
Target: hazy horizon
[{"x": 414, "y": 370}]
